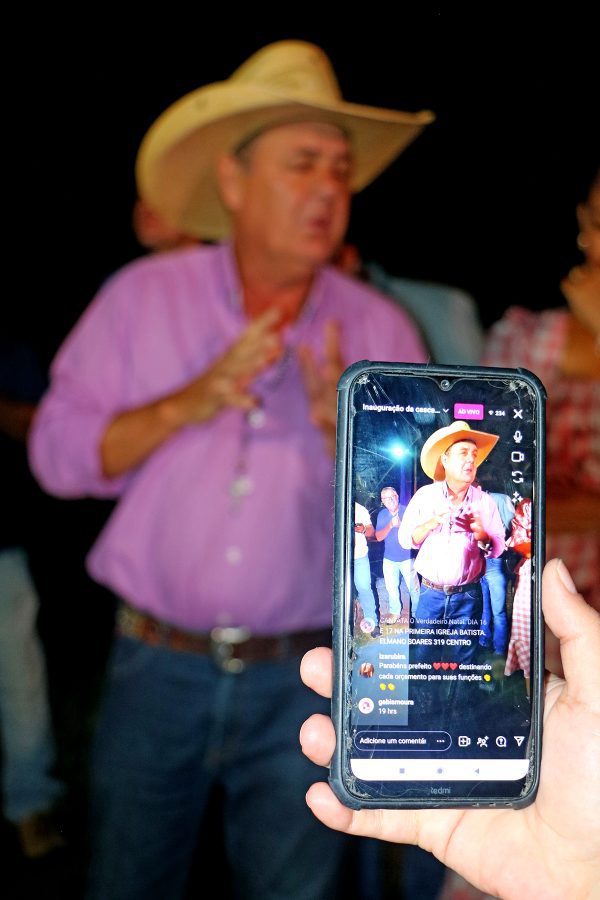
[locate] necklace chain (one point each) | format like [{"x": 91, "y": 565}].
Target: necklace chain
[{"x": 253, "y": 420}]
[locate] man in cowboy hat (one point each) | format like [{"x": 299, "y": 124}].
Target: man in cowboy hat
[
  {"x": 199, "y": 389},
  {"x": 455, "y": 526}
]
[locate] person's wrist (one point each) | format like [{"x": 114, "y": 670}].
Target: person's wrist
[
  {"x": 169, "y": 414},
  {"x": 198, "y": 401},
  {"x": 182, "y": 408}
]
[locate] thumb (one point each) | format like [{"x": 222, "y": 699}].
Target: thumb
[{"x": 577, "y": 626}]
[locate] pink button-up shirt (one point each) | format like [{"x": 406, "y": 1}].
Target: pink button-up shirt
[
  {"x": 450, "y": 555},
  {"x": 179, "y": 544}
]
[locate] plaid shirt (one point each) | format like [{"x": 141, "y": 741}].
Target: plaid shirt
[
  {"x": 519, "y": 647},
  {"x": 536, "y": 341}
]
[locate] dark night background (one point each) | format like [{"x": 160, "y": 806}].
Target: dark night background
[{"x": 484, "y": 199}]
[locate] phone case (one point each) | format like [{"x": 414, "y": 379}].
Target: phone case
[{"x": 339, "y": 779}]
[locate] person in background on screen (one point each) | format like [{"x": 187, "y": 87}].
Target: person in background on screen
[
  {"x": 30, "y": 785},
  {"x": 364, "y": 532}
]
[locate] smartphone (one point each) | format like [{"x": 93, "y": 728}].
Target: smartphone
[{"x": 438, "y": 556}]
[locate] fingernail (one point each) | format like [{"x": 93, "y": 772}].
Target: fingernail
[{"x": 565, "y": 577}]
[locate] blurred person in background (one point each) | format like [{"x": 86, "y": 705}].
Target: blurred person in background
[
  {"x": 30, "y": 786},
  {"x": 562, "y": 346},
  {"x": 154, "y": 233},
  {"x": 199, "y": 388}
]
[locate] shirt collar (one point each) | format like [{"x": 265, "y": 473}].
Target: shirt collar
[
  {"x": 233, "y": 291},
  {"x": 469, "y": 496}
]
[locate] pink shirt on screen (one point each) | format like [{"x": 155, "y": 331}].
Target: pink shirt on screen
[{"x": 449, "y": 555}]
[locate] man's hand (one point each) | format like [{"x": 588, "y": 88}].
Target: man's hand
[
  {"x": 227, "y": 382},
  {"x": 441, "y": 515},
  {"x": 320, "y": 381},
  {"x": 551, "y": 849},
  {"x": 471, "y": 521},
  {"x": 133, "y": 435}
]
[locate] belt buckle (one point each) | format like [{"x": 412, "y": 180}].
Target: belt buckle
[{"x": 222, "y": 644}]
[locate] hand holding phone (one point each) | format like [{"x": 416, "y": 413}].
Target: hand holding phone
[
  {"x": 523, "y": 857},
  {"x": 475, "y": 525}
]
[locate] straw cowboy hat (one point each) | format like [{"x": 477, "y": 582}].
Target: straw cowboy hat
[
  {"x": 440, "y": 441},
  {"x": 283, "y": 82}
]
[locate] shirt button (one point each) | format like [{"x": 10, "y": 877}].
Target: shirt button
[
  {"x": 241, "y": 486},
  {"x": 233, "y": 555},
  {"x": 256, "y": 418}
]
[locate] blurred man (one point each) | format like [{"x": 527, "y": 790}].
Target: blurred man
[{"x": 199, "y": 388}]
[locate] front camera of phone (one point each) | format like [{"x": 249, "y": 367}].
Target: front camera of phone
[{"x": 445, "y": 384}]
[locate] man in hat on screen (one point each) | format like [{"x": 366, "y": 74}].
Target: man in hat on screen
[
  {"x": 199, "y": 389},
  {"x": 455, "y": 526}
]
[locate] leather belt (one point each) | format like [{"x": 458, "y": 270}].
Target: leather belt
[
  {"x": 230, "y": 648},
  {"x": 449, "y": 588}
]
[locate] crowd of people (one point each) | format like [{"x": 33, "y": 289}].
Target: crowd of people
[
  {"x": 197, "y": 393},
  {"x": 451, "y": 533}
]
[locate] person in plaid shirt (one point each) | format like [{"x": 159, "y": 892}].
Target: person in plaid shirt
[
  {"x": 520, "y": 635},
  {"x": 562, "y": 346}
]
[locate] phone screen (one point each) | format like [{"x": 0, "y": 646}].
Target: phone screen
[{"x": 438, "y": 557}]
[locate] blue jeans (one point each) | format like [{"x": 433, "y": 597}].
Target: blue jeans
[
  {"x": 172, "y": 725},
  {"x": 28, "y": 753},
  {"x": 494, "y": 623},
  {"x": 433, "y": 614},
  {"x": 392, "y": 569},
  {"x": 437, "y": 614},
  {"x": 364, "y": 589}
]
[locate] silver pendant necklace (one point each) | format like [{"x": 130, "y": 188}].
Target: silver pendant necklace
[{"x": 252, "y": 421}]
